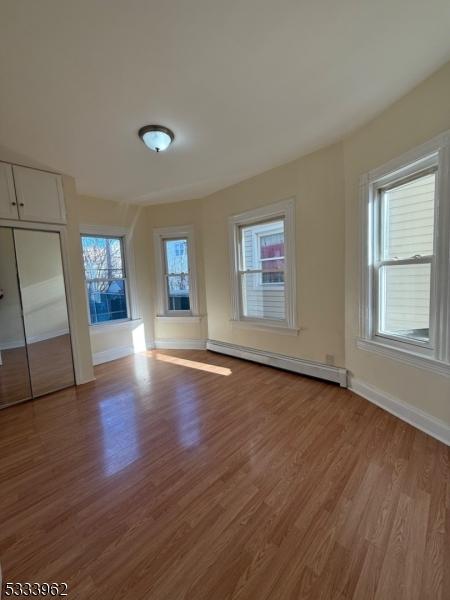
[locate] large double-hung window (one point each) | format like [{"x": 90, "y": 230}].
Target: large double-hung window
[
  {"x": 405, "y": 305},
  {"x": 176, "y": 273},
  {"x": 106, "y": 278},
  {"x": 263, "y": 267}
]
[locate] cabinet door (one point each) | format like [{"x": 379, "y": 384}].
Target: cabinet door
[
  {"x": 8, "y": 204},
  {"x": 39, "y": 195}
]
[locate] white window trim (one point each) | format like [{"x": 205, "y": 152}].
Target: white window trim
[
  {"x": 284, "y": 209},
  {"x": 435, "y": 356},
  {"x": 163, "y": 313},
  {"x": 130, "y": 270}
]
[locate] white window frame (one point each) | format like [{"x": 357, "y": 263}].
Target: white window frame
[
  {"x": 160, "y": 235},
  {"x": 433, "y": 355},
  {"x": 130, "y": 274},
  {"x": 285, "y": 210}
]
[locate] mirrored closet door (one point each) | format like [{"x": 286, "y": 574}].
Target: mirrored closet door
[
  {"x": 39, "y": 312},
  {"x": 15, "y": 383}
]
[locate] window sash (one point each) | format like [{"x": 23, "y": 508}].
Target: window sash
[
  {"x": 379, "y": 307},
  {"x": 264, "y": 216},
  {"x": 382, "y": 216},
  {"x": 127, "y": 303},
  {"x": 167, "y": 274},
  {"x": 165, "y": 258},
  {"x": 241, "y": 272},
  {"x": 378, "y": 236},
  {"x": 244, "y": 317},
  {"x": 124, "y": 278}
]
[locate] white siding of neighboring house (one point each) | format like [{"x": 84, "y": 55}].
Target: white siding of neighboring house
[{"x": 410, "y": 216}]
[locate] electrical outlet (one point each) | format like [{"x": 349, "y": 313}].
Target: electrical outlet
[{"x": 329, "y": 359}]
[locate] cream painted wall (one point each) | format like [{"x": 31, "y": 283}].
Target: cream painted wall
[
  {"x": 316, "y": 182},
  {"x": 97, "y": 212},
  {"x": 174, "y": 215},
  {"x": 416, "y": 118}
]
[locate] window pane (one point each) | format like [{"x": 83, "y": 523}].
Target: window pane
[
  {"x": 107, "y": 300},
  {"x": 405, "y": 300},
  {"x": 259, "y": 301},
  {"x": 407, "y": 214},
  {"x": 102, "y": 257},
  {"x": 261, "y": 241},
  {"x": 176, "y": 252},
  {"x": 178, "y": 292},
  {"x": 271, "y": 245},
  {"x": 273, "y": 271}
]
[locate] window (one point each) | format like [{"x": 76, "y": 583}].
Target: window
[
  {"x": 405, "y": 302},
  {"x": 106, "y": 283},
  {"x": 174, "y": 252},
  {"x": 176, "y": 273},
  {"x": 262, "y": 266},
  {"x": 405, "y": 252}
]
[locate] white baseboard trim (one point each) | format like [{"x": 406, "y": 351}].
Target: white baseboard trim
[
  {"x": 179, "y": 344},
  {"x": 111, "y": 354},
  {"x": 288, "y": 363},
  {"x": 412, "y": 415}
]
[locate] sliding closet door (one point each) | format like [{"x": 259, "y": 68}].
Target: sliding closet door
[
  {"x": 45, "y": 316},
  {"x": 14, "y": 375}
]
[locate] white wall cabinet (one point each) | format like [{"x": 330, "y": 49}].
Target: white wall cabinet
[
  {"x": 40, "y": 196},
  {"x": 8, "y": 202}
]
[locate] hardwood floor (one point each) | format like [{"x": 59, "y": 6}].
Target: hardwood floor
[{"x": 189, "y": 475}]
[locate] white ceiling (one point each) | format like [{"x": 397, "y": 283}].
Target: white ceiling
[{"x": 245, "y": 84}]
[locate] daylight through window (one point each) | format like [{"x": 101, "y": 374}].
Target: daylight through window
[{"x": 105, "y": 276}]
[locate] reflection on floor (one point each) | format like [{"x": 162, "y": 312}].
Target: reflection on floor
[
  {"x": 162, "y": 480},
  {"x": 14, "y": 377},
  {"x": 51, "y": 368},
  {"x": 51, "y": 365}
]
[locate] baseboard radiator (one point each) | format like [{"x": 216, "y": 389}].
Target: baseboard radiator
[{"x": 280, "y": 361}]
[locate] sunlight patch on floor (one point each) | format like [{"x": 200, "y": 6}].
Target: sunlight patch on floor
[{"x": 192, "y": 364}]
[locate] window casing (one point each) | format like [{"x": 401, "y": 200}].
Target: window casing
[
  {"x": 106, "y": 278},
  {"x": 176, "y": 272},
  {"x": 405, "y": 300},
  {"x": 263, "y": 267}
]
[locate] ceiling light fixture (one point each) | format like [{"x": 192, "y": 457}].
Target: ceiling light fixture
[{"x": 156, "y": 137}]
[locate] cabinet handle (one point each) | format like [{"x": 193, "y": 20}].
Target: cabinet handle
[
  {"x": 21, "y": 204},
  {"x": 13, "y": 203}
]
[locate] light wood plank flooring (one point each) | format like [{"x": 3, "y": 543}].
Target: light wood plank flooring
[{"x": 189, "y": 475}]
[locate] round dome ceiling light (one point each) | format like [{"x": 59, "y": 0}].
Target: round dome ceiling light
[{"x": 156, "y": 137}]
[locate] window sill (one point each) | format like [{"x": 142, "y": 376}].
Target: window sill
[
  {"x": 405, "y": 356},
  {"x": 178, "y": 318},
  {"x": 267, "y": 327},
  {"x": 114, "y": 326}
]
